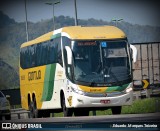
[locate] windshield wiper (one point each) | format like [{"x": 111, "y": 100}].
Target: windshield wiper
[
  {"x": 92, "y": 84},
  {"x": 114, "y": 76},
  {"x": 101, "y": 58}
]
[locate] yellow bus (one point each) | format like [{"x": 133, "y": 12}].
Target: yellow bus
[{"x": 75, "y": 70}]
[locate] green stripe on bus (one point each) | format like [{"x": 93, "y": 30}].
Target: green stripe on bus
[
  {"x": 48, "y": 82},
  {"x": 117, "y": 88},
  {"x": 56, "y": 35}
]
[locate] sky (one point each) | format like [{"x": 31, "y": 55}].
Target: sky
[{"x": 142, "y": 12}]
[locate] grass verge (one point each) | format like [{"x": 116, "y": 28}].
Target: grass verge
[{"x": 148, "y": 105}]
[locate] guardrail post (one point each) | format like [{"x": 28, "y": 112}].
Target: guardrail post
[
  {"x": 157, "y": 103},
  {"x": 94, "y": 113},
  {"x": 20, "y": 111},
  {"x": 137, "y": 95},
  {"x": 19, "y": 117},
  {"x": 29, "y": 116},
  {"x": 148, "y": 93}
]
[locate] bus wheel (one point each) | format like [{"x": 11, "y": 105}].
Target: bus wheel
[
  {"x": 66, "y": 111},
  {"x": 34, "y": 113},
  {"x": 81, "y": 112},
  {"x": 31, "y": 109},
  {"x": 116, "y": 110}
]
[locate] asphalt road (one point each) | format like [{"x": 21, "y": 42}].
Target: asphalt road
[
  {"x": 150, "y": 121},
  {"x": 149, "y": 117}
]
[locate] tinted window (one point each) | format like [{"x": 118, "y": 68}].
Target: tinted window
[
  {"x": 47, "y": 52},
  {"x": 52, "y": 52},
  {"x": 38, "y": 54},
  {"x": 44, "y": 53},
  {"x": 59, "y": 53}
]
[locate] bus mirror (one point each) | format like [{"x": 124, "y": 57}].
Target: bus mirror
[
  {"x": 134, "y": 53},
  {"x": 69, "y": 55}
]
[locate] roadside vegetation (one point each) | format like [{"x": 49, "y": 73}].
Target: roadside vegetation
[{"x": 148, "y": 105}]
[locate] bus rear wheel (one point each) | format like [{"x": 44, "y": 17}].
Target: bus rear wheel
[
  {"x": 116, "y": 110},
  {"x": 34, "y": 113},
  {"x": 66, "y": 111}
]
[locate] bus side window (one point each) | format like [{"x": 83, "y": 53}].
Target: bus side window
[
  {"x": 38, "y": 54},
  {"x": 30, "y": 56},
  {"x": 23, "y": 57},
  {"x": 33, "y": 56},
  {"x": 27, "y": 57},
  {"x": 52, "y": 53},
  {"x": 59, "y": 52},
  {"x": 44, "y": 53}
]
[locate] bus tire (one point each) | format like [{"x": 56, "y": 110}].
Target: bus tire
[
  {"x": 66, "y": 111},
  {"x": 81, "y": 112},
  {"x": 34, "y": 112},
  {"x": 116, "y": 110},
  {"x": 31, "y": 109}
]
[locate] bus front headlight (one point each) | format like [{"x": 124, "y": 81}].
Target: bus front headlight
[
  {"x": 80, "y": 92},
  {"x": 129, "y": 88}
]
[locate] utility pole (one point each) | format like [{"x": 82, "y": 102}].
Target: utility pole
[
  {"x": 75, "y": 8},
  {"x": 53, "y": 3},
  {"x": 116, "y": 20},
  {"x": 26, "y": 20}
]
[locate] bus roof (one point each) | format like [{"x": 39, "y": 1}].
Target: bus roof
[
  {"x": 42, "y": 38},
  {"x": 97, "y": 32},
  {"x": 82, "y": 33}
]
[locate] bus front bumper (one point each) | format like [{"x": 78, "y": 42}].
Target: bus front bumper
[{"x": 86, "y": 101}]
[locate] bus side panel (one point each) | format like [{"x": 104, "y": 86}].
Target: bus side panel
[
  {"x": 24, "y": 96},
  {"x": 55, "y": 102},
  {"x": 45, "y": 83},
  {"x": 31, "y": 83}
]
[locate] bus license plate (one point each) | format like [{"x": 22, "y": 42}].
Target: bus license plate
[{"x": 105, "y": 101}]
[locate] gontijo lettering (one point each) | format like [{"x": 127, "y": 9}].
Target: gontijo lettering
[{"x": 34, "y": 75}]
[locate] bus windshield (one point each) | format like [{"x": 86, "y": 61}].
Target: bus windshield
[{"x": 101, "y": 62}]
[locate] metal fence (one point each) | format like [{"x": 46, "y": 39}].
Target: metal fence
[{"x": 147, "y": 66}]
